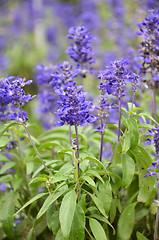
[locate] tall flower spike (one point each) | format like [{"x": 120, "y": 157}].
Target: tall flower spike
[
  {"x": 149, "y": 50},
  {"x": 114, "y": 77},
  {"x": 81, "y": 50},
  {"x": 103, "y": 109}
]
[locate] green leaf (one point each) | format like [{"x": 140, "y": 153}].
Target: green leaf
[
  {"x": 99, "y": 204},
  {"x": 48, "y": 145},
  {"x": 7, "y": 126},
  {"x": 115, "y": 183},
  {"x": 117, "y": 153},
  {"x": 31, "y": 201},
  {"x": 7, "y": 206},
  {"x": 62, "y": 173},
  {"x": 40, "y": 178},
  {"x": 52, "y": 217},
  {"x": 59, "y": 235},
  {"x": 95, "y": 160},
  {"x": 97, "y": 229},
  {"x": 148, "y": 116},
  {"x": 48, "y": 163},
  {"x": 103, "y": 219},
  {"x": 78, "y": 225},
  {"x": 95, "y": 174},
  {"x": 49, "y": 200},
  {"x": 146, "y": 185},
  {"x": 7, "y": 166},
  {"x": 67, "y": 211},
  {"x": 126, "y": 222},
  {"x": 134, "y": 134},
  {"x": 105, "y": 192},
  {"x": 126, "y": 143},
  {"x": 113, "y": 209},
  {"x": 82, "y": 202},
  {"x": 140, "y": 236},
  {"x": 88, "y": 179},
  {"x": 128, "y": 168},
  {"x": 4, "y": 140}
]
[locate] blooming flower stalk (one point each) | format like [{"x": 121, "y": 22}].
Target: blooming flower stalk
[
  {"x": 149, "y": 51},
  {"x": 103, "y": 108},
  {"x": 81, "y": 50},
  {"x": 115, "y": 77}
]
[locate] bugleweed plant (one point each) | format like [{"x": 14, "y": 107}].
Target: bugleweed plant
[{"x": 84, "y": 175}]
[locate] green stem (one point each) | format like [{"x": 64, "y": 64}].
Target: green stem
[
  {"x": 119, "y": 120},
  {"x": 101, "y": 143}
]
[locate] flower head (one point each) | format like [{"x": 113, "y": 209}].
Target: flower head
[
  {"x": 80, "y": 50},
  {"x": 149, "y": 50},
  {"x": 114, "y": 76},
  {"x": 13, "y": 97},
  {"x": 74, "y": 109}
]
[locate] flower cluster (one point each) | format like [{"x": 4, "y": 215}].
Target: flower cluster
[
  {"x": 80, "y": 50},
  {"x": 64, "y": 76},
  {"x": 114, "y": 77},
  {"x": 104, "y": 106},
  {"x": 13, "y": 97},
  {"x": 149, "y": 50},
  {"x": 74, "y": 109}
]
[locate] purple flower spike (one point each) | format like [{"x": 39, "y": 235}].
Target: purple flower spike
[
  {"x": 149, "y": 49},
  {"x": 80, "y": 50},
  {"x": 114, "y": 77}
]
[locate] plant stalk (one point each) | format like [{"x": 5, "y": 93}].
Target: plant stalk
[{"x": 101, "y": 143}]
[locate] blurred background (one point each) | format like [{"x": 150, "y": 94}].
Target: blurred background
[{"x": 33, "y": 31}]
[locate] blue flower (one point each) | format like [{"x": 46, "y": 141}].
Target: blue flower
[
  {"x": 74, "y": 109},
  {"x": 13, "y": 97},
  {"x": 114, "y": 76},
  {"x": 149, "y": 49},
  {"x": 80, "y": 50}
]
